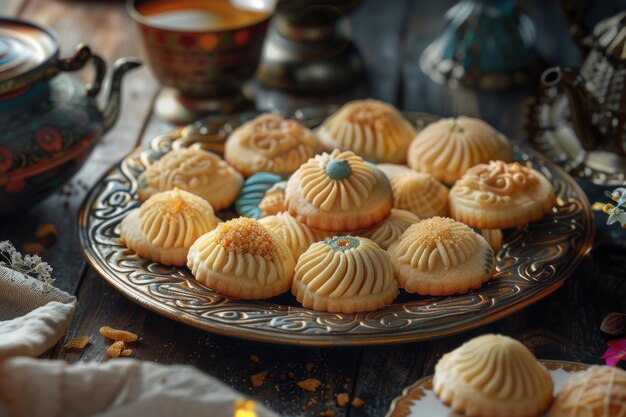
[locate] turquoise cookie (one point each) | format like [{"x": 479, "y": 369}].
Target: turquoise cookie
[{"x": 252, "y": 192}]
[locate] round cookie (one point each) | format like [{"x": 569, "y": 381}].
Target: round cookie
[
  {"x": 242, "y": 259},
  {"x": 391, "y": 228},
  {"x": 440, "y": 256},
  {"x": 273, "y": 201},
  {"x": 270, "y": 143},
  {"x": 338, "y": 192},
  {"x": 372, "y": 129},
  {"x": 494, "y": 237},
  {"x": 449, "y": 147},
  {"x": 297, "y": 236},
  {"x": 344, "y": 275},
  {"x": 166, "y": 225},
  {"x": 252, "y": 194},
  {"x": 599, "y": 391},
  {"x": 493, "y": 376},
  {"x": 500, "y": 195},
  {"x": 192, "y": 169}
]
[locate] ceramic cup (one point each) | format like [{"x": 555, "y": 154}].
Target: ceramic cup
[{"x": 201, "y": 51}]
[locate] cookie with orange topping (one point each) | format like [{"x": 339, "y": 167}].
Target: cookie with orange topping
[
  {"x": 440, "y": 256},
  {"x": 269, "y": 143},
  {"x": 166, "y": 225},
  {"x": 370, "y": 128},
  {"x": 498, "y": 195},
  {"x": 242, "y": 259},
  {"x": 338, "y": 192}
]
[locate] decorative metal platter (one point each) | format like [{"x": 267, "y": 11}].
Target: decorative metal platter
[
  {"x": 534, "y": 261},
  {"x": 419, "y": 400}
]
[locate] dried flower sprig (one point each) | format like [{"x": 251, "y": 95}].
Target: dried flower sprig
[
  {"x": 30, "y": 265},
  {"x": 616, "y": 212}
]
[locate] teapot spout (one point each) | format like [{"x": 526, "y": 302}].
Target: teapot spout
[
  {"x": 580, "y": 101},
  {"x": 113, "y": 101}
]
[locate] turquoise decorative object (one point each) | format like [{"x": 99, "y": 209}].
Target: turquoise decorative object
[
  {"x": 338, "y": 169},
  {"x": 343, "y": 243},
  {"x": 486, "y": 44},
  {"x": 252, "y": 192}
]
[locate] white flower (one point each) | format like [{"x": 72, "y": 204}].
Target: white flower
[
  {"x": 616, "y": 214},
  {"x": 619, "y": 195}
]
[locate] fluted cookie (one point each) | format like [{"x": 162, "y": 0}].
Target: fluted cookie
[
  {"x": 493, "y": 376},
  {"x": 500, "y": 195},
  {"x": 192, "y": 169},
  {"x": 372, "y": 129},
  {"x": 166, "y": 225},
  {"x": 440, "y": 256},
  {"x": 599, "y": 391},
  {"x": 449, "y": 147},
  {"x": 391, "y": 228},
  {"x": 273, "y": 200},
  {"x": 248, "y": 203},
  {"x": 242, "y": 259},
  {"x": 270, "y": 143},
  {"x": 344, "y": 275},
  {"x": 297, "y": 236},
  {"x": 338, "y": 192}
]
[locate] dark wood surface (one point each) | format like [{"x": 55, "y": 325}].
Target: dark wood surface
[{"x": 390, "y": 36}]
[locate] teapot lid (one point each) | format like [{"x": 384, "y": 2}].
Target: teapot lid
[
  {"x": 610, "y": 35},
  {"x": 27, "y": 53}
]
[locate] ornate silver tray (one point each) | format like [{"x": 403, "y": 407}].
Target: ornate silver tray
[{"x": 535, "y": 260}]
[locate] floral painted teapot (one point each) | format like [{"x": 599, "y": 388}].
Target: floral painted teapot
[
  {"x": 579, "y": 117},
  {"x": 49, "y": 122}
]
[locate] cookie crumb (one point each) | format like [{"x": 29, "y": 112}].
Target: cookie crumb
[
  {"x": 328, "y": 413},
  {"x": 117, "y": 335},
  {"x": 126, "y": 353},
  {"x": 357, "y": 402},
  {"x": 308, "y": 366},
  {"x": 33, "y": 248},
  {"x": 342, "y": 399},
  {"x": 309, "y": 384},
  {"x": 258, "y": 379},
  {"x": 255, "y": 358},
  {"x": 115, "y": 350},
  {"x": 78, "y": 343}
]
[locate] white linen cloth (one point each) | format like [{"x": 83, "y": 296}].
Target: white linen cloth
[
  {"x": 118, "y": 388},
  {"x": 33, "y": 315}
]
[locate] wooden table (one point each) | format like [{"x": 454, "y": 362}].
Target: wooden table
[{"x": 391, "y": 36}]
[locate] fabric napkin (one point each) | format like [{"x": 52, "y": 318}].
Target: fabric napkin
[{"x": 33, "y": 315}]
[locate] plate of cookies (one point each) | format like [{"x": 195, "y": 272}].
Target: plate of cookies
[
  {"x": 335, "y": 226},
  {"x": 495, "y": 375}
]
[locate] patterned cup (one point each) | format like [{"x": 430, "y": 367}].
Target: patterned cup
[{"x": 204, "y": 65}]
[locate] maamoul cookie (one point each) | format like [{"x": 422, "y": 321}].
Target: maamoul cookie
[
  {"x": 166, "y": 225},
  {"x": 391, "y": 228},
  {"x": 270, "y": 143},
  {"x": 440, "y": 256},
  {"x": 599, "y": 391},
  {"x": 447, "y": 148},
  {"x": 297, "y": 236},
  {"x": 338, "y": 192},
  {"x": 370, "y": 128},
  {"x": 252, "y": 193},
  {"x": 493, "y": 236},
  {"x": 500, "y": 195},
  {"x": 344, "y": 275},
  {"x": 192, "y": 169},
  {"x": 421, "y": 194},
  {"x": 273, "y": 201},
  {"x": 242, "y": 259},
  {"x": 493, "y": 376}
]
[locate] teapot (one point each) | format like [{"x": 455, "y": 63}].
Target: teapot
[
  {"x": 49, "y": 121},
  {"x": 579, "y": 117}
]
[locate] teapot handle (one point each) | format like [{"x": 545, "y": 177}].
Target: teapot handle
[{"x": 82, "y": 55}]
